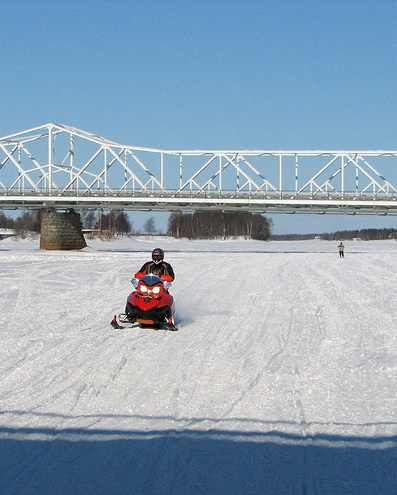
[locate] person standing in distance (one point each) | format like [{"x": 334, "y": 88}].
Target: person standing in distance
[{"x": 341, "y": 248}]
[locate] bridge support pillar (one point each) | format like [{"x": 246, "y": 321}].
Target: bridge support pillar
[{"x": 61, "y": 231}]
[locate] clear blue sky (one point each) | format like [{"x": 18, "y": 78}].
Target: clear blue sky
[{"x": 281, "y": 74}]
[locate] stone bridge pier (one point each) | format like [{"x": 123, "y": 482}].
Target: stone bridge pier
[{"x": 61, "y": 231}]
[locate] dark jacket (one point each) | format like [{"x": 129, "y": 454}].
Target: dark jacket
[{"x": 158, "y": 269}]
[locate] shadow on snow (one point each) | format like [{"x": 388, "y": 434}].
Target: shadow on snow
[{"x": 183, "y": 462}]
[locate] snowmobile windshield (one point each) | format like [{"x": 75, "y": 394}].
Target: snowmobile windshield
[{"x": 151, "y": 280}]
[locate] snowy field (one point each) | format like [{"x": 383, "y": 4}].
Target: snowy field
[{"x": 281, "y": 380}]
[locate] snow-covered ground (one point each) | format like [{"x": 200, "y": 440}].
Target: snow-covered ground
[{"x": 281, "y": 380}]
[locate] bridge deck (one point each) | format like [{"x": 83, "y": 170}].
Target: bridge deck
[{"x": 348, "y": 203}]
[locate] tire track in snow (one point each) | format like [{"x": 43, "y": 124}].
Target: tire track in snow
[
  {"x": 96, "y": 374},
  {"x": 284, "y": 354},
  {"x": 228, "y": 329},
  {"x": 305, "y": 328}
]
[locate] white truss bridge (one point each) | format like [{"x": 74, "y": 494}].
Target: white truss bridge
[{"x": 61, "y": 167}]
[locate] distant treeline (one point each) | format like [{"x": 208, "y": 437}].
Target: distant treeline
[
  {"x": 342, "y": 235},
  {"x": 113, "y": 222},
  {"x": 27, "y": 222},
  {"x": 198, "y": 225},
  {"x": 219, "y": 225},
  {"x": 364, "y": 234}
]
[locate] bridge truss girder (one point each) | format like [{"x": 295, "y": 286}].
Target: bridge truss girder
[{"x": 63, "y": 167}]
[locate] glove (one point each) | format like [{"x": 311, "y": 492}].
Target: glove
[
  {"x": 139, "y": 275},
  {"x": 166, "y": 278}
]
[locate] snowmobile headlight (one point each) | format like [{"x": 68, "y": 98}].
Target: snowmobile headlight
[
  {"x": 143, "y": 288},
  {"x": 156, "y": 290}
]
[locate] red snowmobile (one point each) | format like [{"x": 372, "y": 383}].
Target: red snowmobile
[{"x": 149, "y": 306}]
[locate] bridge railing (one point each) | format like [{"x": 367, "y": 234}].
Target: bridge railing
[{"x": 224, "y": 194}]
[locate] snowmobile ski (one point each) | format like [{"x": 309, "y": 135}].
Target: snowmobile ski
[
  {"x": 129, "y": 324},
  {"x": 115, "y": 324}
]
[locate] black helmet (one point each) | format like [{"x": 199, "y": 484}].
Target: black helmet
[{"x": 157, "y": 255}]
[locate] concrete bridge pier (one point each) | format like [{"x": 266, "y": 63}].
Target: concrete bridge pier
[{"x": 61, "y": 231}]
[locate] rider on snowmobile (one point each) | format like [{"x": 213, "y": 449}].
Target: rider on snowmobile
[
  {"x": 157, "y": 267},
  {"x": 163, "y": 312}
]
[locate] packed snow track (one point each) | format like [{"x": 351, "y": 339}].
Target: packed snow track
[{"x": 282, "y": 378}]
